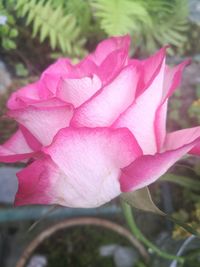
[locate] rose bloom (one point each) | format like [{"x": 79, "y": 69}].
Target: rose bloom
[{"x": 93, "y": 130}]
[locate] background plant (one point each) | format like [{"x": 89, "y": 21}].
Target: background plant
[
  {"x": 8, "y": 32},
  {"x": 151, "y": 23},
  {"x": 73, "y": 27}
]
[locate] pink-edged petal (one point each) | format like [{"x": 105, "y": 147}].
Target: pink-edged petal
[
  {"x": 50, "y": 78},
  {"x": 160, "y": 124},
  {"x": 15, "y": 149},
  {"x": 34, "y": 183},
  {"x": 195, "y": 150},
  {"x": 32, "y": 142},
  {"x": 108, "y": 46},
  {"x": 27, "y": 93},
  {"x": 112, "y": 65},
  {"x": 178, "y": 138},
  {"x": 84, "y": 68},
  {"x": 150, "y": 68},
  {"x": 58, "y": 67},
  {"x": 77, "y": 91},
  {"x": 43, "y": 182},
  {"x": 148, "y": 168},
  {"x": 172, "y": 80},
  {"x": 139, "y": 117},
  {"x": 90, "y": 160},
  {"x": 45, "y": 119},
  {"x": 106, "y": 105}
]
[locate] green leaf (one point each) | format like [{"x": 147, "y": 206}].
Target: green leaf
[{"x": 141, "y": 199}]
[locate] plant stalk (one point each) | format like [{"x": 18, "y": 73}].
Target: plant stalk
[{"x": 138, "y": 234}]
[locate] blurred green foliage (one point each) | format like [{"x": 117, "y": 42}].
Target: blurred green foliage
[
  {"x": 152, "y": 23},
  {"x": 8, "y": 31},
  {"x": 70, "y": 27}
]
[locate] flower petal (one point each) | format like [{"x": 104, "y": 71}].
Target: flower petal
[
  {"x": 160, "y": 124},
  {"x": 118, "y": 60},
  {"x": 77, "y": 91},
  {"x": 44, "y": 119},
  {"x": 106, "y": 47},
  {"x": 90, "y": 160},
  {"x": 29, "y": 93},
  {"x": 172, "y": 80},
  {"x": 139, "y": 117},
  {"x": 106, "y": 105},
  {"x": 150, "y": 68},
  {"x": 179, "y": 138},
  {"x": 148, "y": 168},
  {"x": 15, "y": 149},
  {"x": 34, "y": 183}
]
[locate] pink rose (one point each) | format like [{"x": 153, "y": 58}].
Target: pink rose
[{"x": 95, "y": 129}]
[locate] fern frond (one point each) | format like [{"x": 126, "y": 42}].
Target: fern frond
[
  {"x": 49, "y": 22},
  {"x": 120, "y": 16},
  {"x": 81, "y": 10},
  {"x": 156, "y": 22},
  {"x": 170, "y": 25}
]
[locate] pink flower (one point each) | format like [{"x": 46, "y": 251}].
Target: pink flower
[{"x": 96, "y": 129}]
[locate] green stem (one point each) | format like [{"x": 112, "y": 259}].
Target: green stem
[{"x": 138, "y": 234}]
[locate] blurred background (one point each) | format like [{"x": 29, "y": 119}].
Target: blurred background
[{"x": 33, "y": 34}]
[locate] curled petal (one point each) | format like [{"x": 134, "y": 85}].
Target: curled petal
[
  {"x": 172, "y": 80},
  {"x": 105, "y": 106},
  {"x": 150, "y": 68},
  {"x": 179, "y": 138},
  {"x": 139, "y": 117},
  {"x": 34, "y": 183},
  {"x": 148, "y": 168},
  {"x": 19, "y": 99},
  {"x": 77, "y": 91},
  {"x": 15, "y": 149},
  {"x": 44, "y": 119},
  {"x": 106, "y": 47}
]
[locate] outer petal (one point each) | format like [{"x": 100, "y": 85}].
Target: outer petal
[
  {"x": 147, "y": 169},
  {"x": 60, "y": 67},
  {"x": 150, "y": 68},
  {"x": 139, "y": 117},
  {"x": 89, "y": 162},
  {"x": 44, "y": 88},
  {"x": 195, "y": 150},
  {"x": 28, "y": 93},
  {"x": 77, "y": 91},
  {"x": 44, "y": 119},
  {"x": 179, "y": 138},
  {"x": 106, "y": 47},
  {"x": 160, "y": 124},
  {"x": 107, "y": 104},
  {"x": 32, "y": 142},
  {"x": 172, "y": 80},
  {"x": 50, "y": 78},
  {"x": 112, "y": 65},
  {"x": 34, "y": 183},
  {"x": 15, "y": 149},
  {"x": 84, "y": 68}
]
